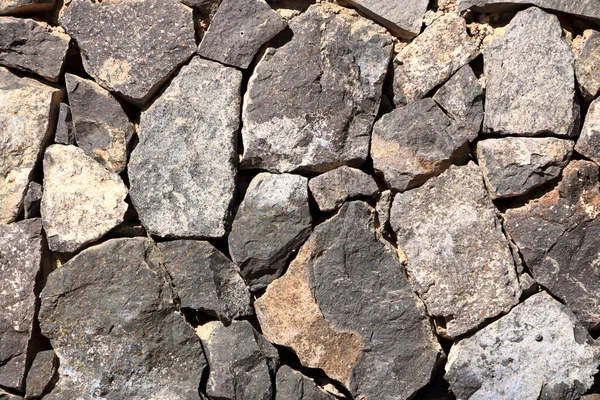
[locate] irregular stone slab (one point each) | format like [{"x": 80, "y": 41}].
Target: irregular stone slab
[
  {"x": 402, "y": 19},
  {"x": 206, "y": 280},
  {"x": 239, "y": 359},
  {"x": 582, "y": 8},
  {"x": 530, "y": 89},
  {"x": 27, "y": 110},
  {"x": 238, "y": 30},
  {"x": 331, "y": 189},
  {"x": 20, "y": 265},
  {"x": 514, "y": 166},
  {"x": 82, "y": 200},
  {"x": 429, "y": 60},
  {"x": 272, "y": 221},
  {"x": 146, "y": 42},
  {"x": 539, "y": 350},
  {"x": 33, "y": 46},
  {"x": 42, "y": 374},
  {"x": 110, "y": 315},
  {"x": 101, "y": 127},
  {"x": 414, "y": 143},
  {"x": 558, "y": 235},
  {"x": 459, "y": 260},
  {"x": 64, "y": 127},
  {"x": 386, "y": 349},
  {"x": 25, "y": 6},
  {"x": 588, "y": 143},
  {"x": 587, "y": 65},
  {"x": 183, "y": 171},
  {"x": 292, "y": 385},
  {"x": 296, "y": 114},
  {"x": 32, "y": 201}
]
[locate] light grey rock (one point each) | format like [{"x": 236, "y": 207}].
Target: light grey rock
[
  {"x": 587, "y": 65},
  {"x": 402, "y": 19},
  {"x": 530, "y": 89},
  {"x": 588, "y": 143},
  {"x": 383, "y": 207},
  {"x": 331, "y": 189},
  {"x": 582, "y": 8},
  {"x": 459, "y": 260},
  {"x": 32, "y": 201},
  {"x": 42, "y": 374},
  {"x": 272, "y": 221},
  {"x": 82, "y": 200},
  {"x": 27, "y": 112},
  {"x": 25, "y": 6},
  {"x": 431, "y": 58},
  {"x": 292, "y": 385},
  {"x": 297, "y": 115},
  {"x": 514, "y": 166},
  {"x": 131, "y": 47},
  {"x": 183, "y": 170},
  {"x": 538, "y": 351},
  {"x": 64, "y": 126}
]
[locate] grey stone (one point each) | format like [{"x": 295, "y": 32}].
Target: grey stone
[
  {"x": 33, "y": 46},
  {"x": 537, "y": 351},
  {"x": 297, "y": 115},
  {"x": 431, "y": 58},
  {"x": 331, "y": 189},
  {"x": 206, "y": 7},
  {"x": 459, "y": 260},
  {"x": 514, "y": 166},
  {"x": 110, "y": 315},
  {"x": 292, "y": 385},
  {"x": 25, "y": 6},
  {"x": 414, "y": 143},
  {"x": 183, "y": 170},
  {"x": 9, "y": 396},
  {"x": 558, "y": 235},
  {"x": 272, "y": 221},
  {"x": 402, "y": 19},
  {"x": 530, "y": 88},
  {"x": 345, "y": 306},
  {"x": 582, "y": 8},
  {"x": 64, "y": 127},
  {"x": 82, "y": 200},
  {"x": 42, "y": 374},
  {"x": 32, "y": 201},
  {"x": 588, "y": 143},
  {"x": 204, "y": 279},
  {"x": 102, "y": 129},
  {"x": 383, "y": 207},
  {"x": 131, "y": 47},
  {"x": 21, "y": 247},
  {"x": 587, "y": 65},
  {"x": 27, "y": 111},
  {"x": 238, "y": 30}
]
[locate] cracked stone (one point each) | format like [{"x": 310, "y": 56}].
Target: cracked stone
[
  {"x": 587, "y": 65},
  {"x": 42, "y": 374},
  {"x": 292, "y": 385},
  {"x": 588, "y": 143},
  {"x": 331, "y": 189}
]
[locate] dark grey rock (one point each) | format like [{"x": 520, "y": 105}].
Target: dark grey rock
[
  {"x": 297, "y": 115},
  {"x": 292, "y": 385},
  {"x": 32, "y": 201},
  {"x": 206, "y": 7},
  {"x": 587, "y": 65},
  {"x": 64, "y": 127},
  {"x": 110, "y": 315},
  {"x": 42, "y": 374},
  {"x": 383, "y": 207},
  {"x": 9, "y": 396},
  {"x": 588, "y": 143},
  {"x": 272, "y": 222},
  {"x": 582, "y": 8},
  {"x": 331, "y": 189},
  {"x": 25, "y": 6}
]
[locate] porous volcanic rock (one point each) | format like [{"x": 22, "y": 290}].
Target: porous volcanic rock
[
  {"x": 582, "y": 8},
  {"x": 588, "y": 143},
  {"x": 32, "y": 201},
  {"x": 331, "y": 189},
  {"x": 292, "y": 385},
  {"x": 42, "y": 374},
  {"x": 64, "y": 126},
  {"x": 587, "y": 65}
]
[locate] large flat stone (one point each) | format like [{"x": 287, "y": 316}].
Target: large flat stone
[
  {"x": 588, "y": 143},
  {"x": 587, "y": 65},
  {"x": 581, "y": 8},
  {"x": 402, "y": 19}
]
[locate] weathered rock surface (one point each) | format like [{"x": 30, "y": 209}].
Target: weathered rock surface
[
  {"x": 25, "y": 6},
  {"x": 292, "y": 385},
  {"x": 64, "y": 127},
  {"x": 9, "y": 396},
  {"x": 587, "y": 65},
  {"x": 530, "y": 88},
  {"x": 206, "y": 7},
  {"x": 240, "y": 360},
  {"x": 383, "y": 207},
  {"x": 558, "y": 236},
  {"x": 272, "y": 221},
  {"x": 32, "y": 46},
  {"x": 183, "y": 170},
  {"x": 311, "y": 103},
  {"x": 204, "y": 279},
  {"x": 459, "y": 260},
  {"x": 514, "y": 166},
  {"x": 110, "y": 316},
  {"x": 345, "y": 306},
  {"x": 414, "y": 143},
  {"x": 82, "y": 200},
  {"x": 238, "y": 30},
  {"x": 582, "y": 8},
  {"x": 32, "y": 201},
  {"x": 27, "y": 111},
  {"x": 588, "y": 143},
  {"x": 42, "y": 374},
  {"x": 131, "y": 47},
  {"x": 429, "y": 60},
  {"x": 402, "y": 19},
  {"x": 20, "y": 265},
  {"x": 331, "y": 189},
  {"x": 539, "y": 350}
]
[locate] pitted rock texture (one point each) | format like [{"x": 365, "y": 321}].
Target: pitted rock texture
[
  {"x": 583, "y": 8},
  {"x": 32, "y": 201},
  {"x": 25, "y": 6},
  {"x": 587, "y": 65},
  {"x": 331, "y": 189},
  {"x": 42, "y": 374},
  {"x": 64, "y": 133},
  {"x": 292, "y": 385},
  {"x": 588, "y": 143}
]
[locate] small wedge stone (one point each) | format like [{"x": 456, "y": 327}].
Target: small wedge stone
[
  {"x": 587, "y": 65},
  {"x": 402, "y": 19},
  {"x": 292, "y": 385},
  {"x": 588, "y": 143},
  {"x": 331, "y": 189},
  {"x": 64, "y": 127},
  {"x": 42, "y": 374}
]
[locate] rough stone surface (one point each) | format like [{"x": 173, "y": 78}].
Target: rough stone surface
[
  {"x": 331, "y": 189},
  {"x": 32, "y": 201},
  {"x": 514, "y": 166},
  {"x": 110, "y": 316},
  {"x": 345, "y": 306},
  {"x": 530, "y": 88},
  {"x": 20, "y": 265},
  {"x": 183, "y": 172},
  {"x": 292, "y": 385},
  {"x": 102, "y": 129},
  {"x": 459, "y": 260},
  {"x": 131, "y": 47},
  {"x": 539, "y": 350},
  {"x": 82, "y": 200},
  {"x": 383, "y": 207},
  {"x": 27, "y": 111},
  {"x": 587, "y": 65},
  {"x": 402, "y": 19},
  {"x": 432, "y": 58},
  {"x": 558, "y": 236},
  {"x": 64, "y": 126},
  {"x": 32, "y": 46},
  {"x": 414, "y": 143},
  {"x": 583, "y": 8},
  {"x": 311, "y": 103},
  {"x": 238, "y": 30},
  {"x": 25, "y": 6},
  {"x": 206, "y": 7},
  {"x": 204, "y": 279},
  {"x": 588, "y": 143},
  {"x": 272, "y": 221},
  {"x": 240, "y": 360},
  {"x": 42, "y": 374},
  {"x": 9, "y": 396}
]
